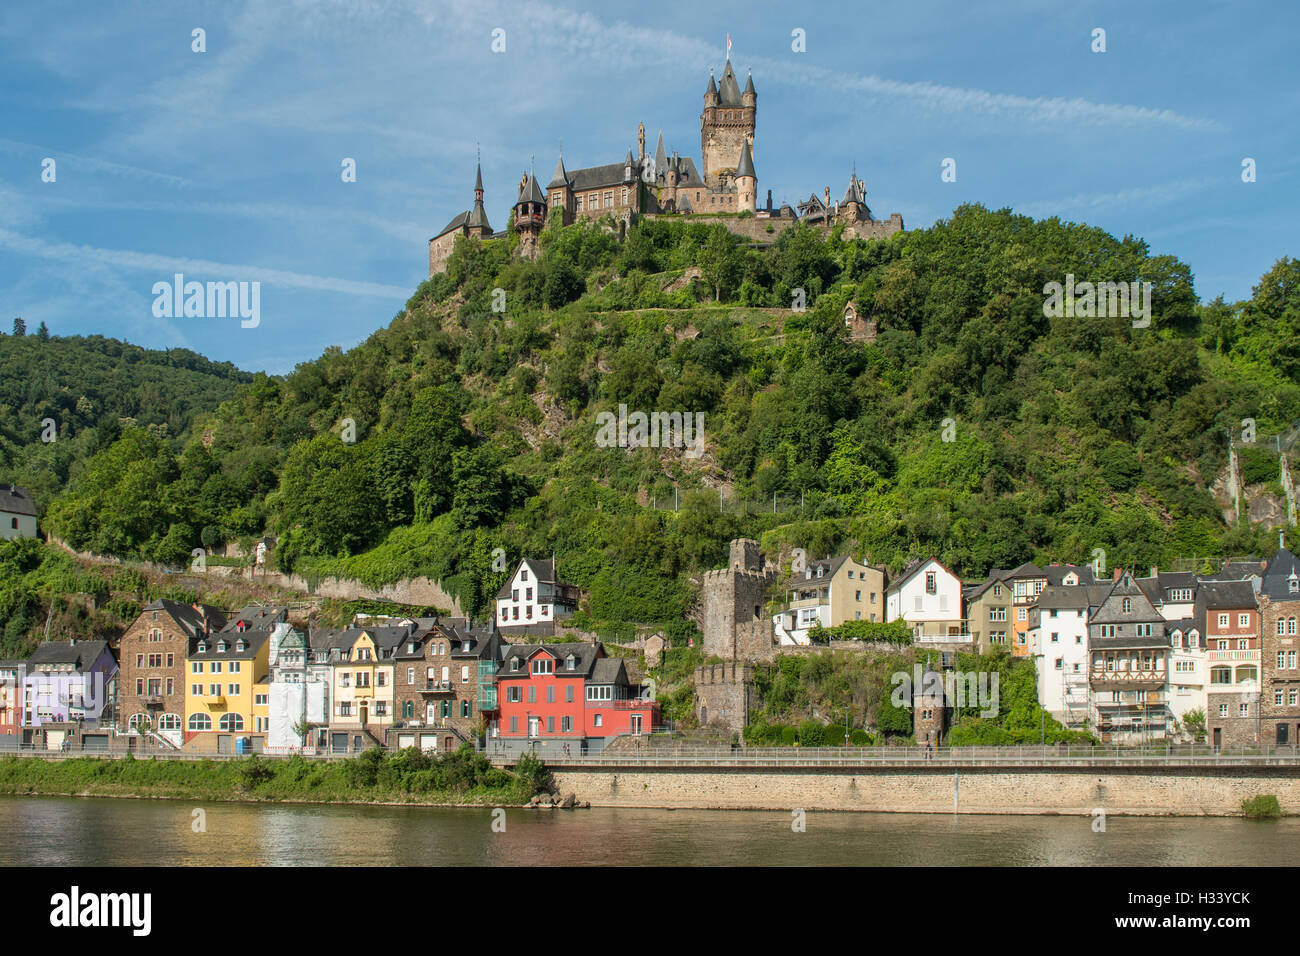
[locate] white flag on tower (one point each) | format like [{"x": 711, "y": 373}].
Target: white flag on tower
[{"x": 728, "y": 46}]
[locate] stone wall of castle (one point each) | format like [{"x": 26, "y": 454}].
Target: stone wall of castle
[
  {"x": 733, "y": 622},
  {"x": 724, "y": 696}
]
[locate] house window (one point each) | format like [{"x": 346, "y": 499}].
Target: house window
[
  {"x": 139, "y": 682},
  {"x": 214, "y": 690},
  {"x": 410, "y": 675},
  {"x": 550, "y": 694},
  {"x": 1223, "y": 710},
  {"x": 1056, "y": 637},
  {"x": 566, "y": 725},
  {"x": 532, "y": 695},
  {"x": 234, "y": 667},
  {"x": 200, "y": 722},
  {"x": 231, "y": 722},
  {"x": 1223, "y": 620},
  {"x": 568, "y": 694},
  {"x": 196, "y": 690},
  {"x": 598, "y": 722},
  {"x": 1243, "y": 709},
  {"x": 1243, "y": 620},
  {"x": 930, "y": 585},
  {"x": 543, "y": 665},
  {"x": 1128, "y": 605},
  {"x": 196, "y": 667},
  {"x": 1291, "y": 697},
  {"x": 513, "y": 694},
  {"x": 514, "y": 721},
  {"x": 232, "y": 689}
]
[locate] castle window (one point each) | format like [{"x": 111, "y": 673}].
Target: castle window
[
  {"x": 579, "y": 204},
  {"x": 609, "y": 200},
  {"x": 624, "y": 202}
]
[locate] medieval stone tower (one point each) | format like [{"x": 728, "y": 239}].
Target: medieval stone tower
[
  {"x": 929, "y": 709},
  {"x": 726, "y": 126},
  {"x": 531, "y": 210},
  {"x": 734, "y": 624}
]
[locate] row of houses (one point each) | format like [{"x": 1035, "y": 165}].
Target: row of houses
[
  {"x": 199, "y": 679},
  {"x": 1129, "y": 657}
]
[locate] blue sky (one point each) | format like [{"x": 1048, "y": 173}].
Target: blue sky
[{"x": 225, "y": 165}]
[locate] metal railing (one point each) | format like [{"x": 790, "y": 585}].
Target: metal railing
[{"x": 842, "y": 758}]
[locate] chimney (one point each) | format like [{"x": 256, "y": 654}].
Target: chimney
[
  {"x": 1118, "y": 572},
  {"x": 827, "y": 194},
  {"x": 1154, "y": 571}
]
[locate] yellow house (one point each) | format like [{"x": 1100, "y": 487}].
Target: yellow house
[
  {"x": 829, "y": 592},
  {"x": 362, "y": 696},
  {"x": 224, "y": 676}
]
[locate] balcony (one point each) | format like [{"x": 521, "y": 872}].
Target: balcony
[
  {"x": 438, "y": 687},
  {"x": 1234, "y": 657},
  {"x": 153, "y": 700},
  {"x": 218, "y": 702},
  {"x": 945, "y": 639},
  {"x": 1119, "y": 680}
]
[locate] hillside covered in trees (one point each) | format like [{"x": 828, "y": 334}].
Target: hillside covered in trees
[
  {"x": 973, "y": 428},
  {"x": 64, "y": 399}
]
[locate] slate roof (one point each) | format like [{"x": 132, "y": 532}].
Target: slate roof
[
  {"x": 746, "y": 165},
  {"x": 912, "y": 568},
  {"x": 1229, "y": 594},
  {"x": 188, "y": 617},
  {"x": 729, "y": 89},
  {"x": 1056, "y": 573},
  {"x": 1277, "y": 577},
  {"x": 531, "y": 192},
  {"x": 17, "y": 501},
  {"x": 857, "y": 191},
  {"x": 809, "y": 577},
  {"x": 253, "y": 641},
  {"x": 560, "y": 177},
  {"x": 256, "y": 617},
  {"x": 585, "y": 656},
  {"x": 608, "y": 670},
  {"x": 81, "y": 655},
  {"x": 457, "y": 223},
  {"x": 1239, "y": 570}
]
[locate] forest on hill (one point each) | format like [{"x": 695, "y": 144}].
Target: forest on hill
[
  {"x": 973, "y": 428},
  {"x": 63, "y": 399}
]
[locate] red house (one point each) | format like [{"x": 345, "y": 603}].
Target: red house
[{"x": 553, "y": 696}]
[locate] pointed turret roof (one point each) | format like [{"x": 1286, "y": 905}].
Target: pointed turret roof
[
  {"x": 749, "y": 83},
  {"x": 746, "y": 165},
  {"x": 713, "y": 87},
  {"x": 478, "y": 177},
  {"x": 857, "y": 191},
  {"x": 661, "y": 161},
  {"x": 728, "y": 89},
  {"x": 478, "y": 217},
  {"x": 561, "y": 175},
  {"x": 531, "y": 192}
]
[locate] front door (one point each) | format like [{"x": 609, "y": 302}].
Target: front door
[
  {"x": 430, "y": 713},
  {"x": 1281, "y": 735},
  {"x": 636, "y": 724},
  {"x": 1218, "y": 738},
  {"x": 364, "y": 711},
  {"x": 534, "y": 724}
]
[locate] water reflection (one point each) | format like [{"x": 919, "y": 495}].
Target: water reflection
[{"x": 59, "y": 831}]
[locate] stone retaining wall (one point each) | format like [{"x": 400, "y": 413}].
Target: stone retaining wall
[{"x": 1143, "y": 791}]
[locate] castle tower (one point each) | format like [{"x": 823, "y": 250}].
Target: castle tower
[
  {"x": 746, "y": 182},
  {"x": 726, "y": 124},
  {"x": 530, "y": 215},
  {"x": 640, "y": 143},
  {"x": 929, "y": 709},
  {"x": 561, "y": 191}
]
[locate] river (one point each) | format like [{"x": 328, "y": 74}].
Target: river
[{"x": 68, "y": 831}]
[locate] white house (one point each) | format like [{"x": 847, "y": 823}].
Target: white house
[
  {"x": 17, "y": 513},
  {"x": 294, "y": 674},
  {"x": 928, "y": 597},
  {"x": 533, "y": 596},
  {"x": 1058, "y": 643}
]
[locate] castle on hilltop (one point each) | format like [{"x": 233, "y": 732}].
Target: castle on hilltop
[{"x": 724, "y": 185}]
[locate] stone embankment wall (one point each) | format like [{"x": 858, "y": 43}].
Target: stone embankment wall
[
  {"x": 1143, "y": 791},
  {"x": 418, "y": 592}
]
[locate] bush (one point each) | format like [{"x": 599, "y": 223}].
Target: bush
[
  {"x": 811, "y": 734},
  {"x": 254, "y": 771},
  {"x": 1262, "y": 807},
  {"x": 788, "y": 736},
  {"x": 859, "y": 738},
  {"x": 535, "y": 775}
]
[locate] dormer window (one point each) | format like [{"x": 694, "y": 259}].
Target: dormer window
[
  {"x": 1293, "y": 583},
  {"x": 514, "y": 663},
  {"x": 465, "y": 646},
  {"x": 203, "y": 648},
  {"x": 410, "y": 648},
  {"x": 820, "y": 569},
  {"x": 568, "y": 663},
  {"x": 1128, "y": 605},
  {"x": 221, "y": 647},
  {"x": 241, "y": 646}
]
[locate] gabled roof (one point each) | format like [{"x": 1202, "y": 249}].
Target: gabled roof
[
  {"x": 913, "y": 568},
  {"x": 17, "y": 501},
  {"x": 1110, "y": 610},
  {"x": 1063, "y": 596},
  {"x": 81, "y": 655},
  {"x": 1056, "y": 573}
]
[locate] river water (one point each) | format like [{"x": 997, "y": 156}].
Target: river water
[{"x": 68, "y": 831}]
